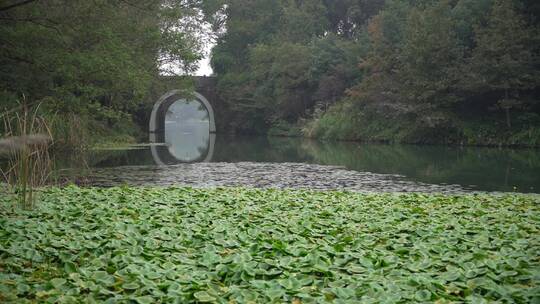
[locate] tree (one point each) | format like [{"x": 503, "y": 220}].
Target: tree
[
  {"x": 379, "y": 90},
  {"x": 505, "y": 59},
  {"x": 348, "y": 17},
  {"x": 247, "y": 23},
  {"x": 302, "y": 20},
  {"x": 96, "y": 59},
  {"x": 333, "y": 67},
  {"x": 430, "y": 57}
]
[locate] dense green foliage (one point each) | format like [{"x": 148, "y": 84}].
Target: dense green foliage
[
  {"x": 183, "y": 245},
  {"x": 278, "y": 60},
  {"x": 462, "y": 71},
  {"x": 90, "y": 64}
]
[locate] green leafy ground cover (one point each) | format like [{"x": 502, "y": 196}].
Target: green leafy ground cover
[{"x": 178, "y": 245}]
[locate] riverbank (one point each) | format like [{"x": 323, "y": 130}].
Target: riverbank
[
  {"x": 229, "y": 244},
  {"x": 343, "y": 124}
]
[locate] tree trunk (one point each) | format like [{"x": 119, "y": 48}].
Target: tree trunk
[
  {"x": 508, "y": 124},
  {"x": 507, "y": 110}
]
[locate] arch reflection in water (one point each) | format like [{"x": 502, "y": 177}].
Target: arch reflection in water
[{"x": 185, "y": 131}]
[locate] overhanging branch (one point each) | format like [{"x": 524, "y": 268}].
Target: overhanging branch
[{"x": 14, "y": 5}]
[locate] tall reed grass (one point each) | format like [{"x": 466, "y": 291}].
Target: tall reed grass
[{"x": 25, "y": 144}]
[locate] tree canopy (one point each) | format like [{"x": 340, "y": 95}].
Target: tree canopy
[
  {"x": 428, "y": 60},
  {"x": 96, "y": 59},
  {"x": 427, "y": 63}
]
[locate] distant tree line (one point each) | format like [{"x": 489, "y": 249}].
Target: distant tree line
[{"x": 339, "y": 67}]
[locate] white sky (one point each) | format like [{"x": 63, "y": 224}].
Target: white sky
[{"x": 204, "y": 67}]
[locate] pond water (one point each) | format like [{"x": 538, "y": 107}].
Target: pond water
[
  {"x": 183, "y": 150},
  {"x": 293, "y": 162}
]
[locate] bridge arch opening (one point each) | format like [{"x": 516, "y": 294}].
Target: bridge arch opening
[
  {"x": 162, "y": 106},
  {"x": 185, "y": 123}
]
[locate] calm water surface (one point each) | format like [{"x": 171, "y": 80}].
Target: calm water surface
[
  {"x": 183, "y": 136},
  {"x": 473, "y": 168}
]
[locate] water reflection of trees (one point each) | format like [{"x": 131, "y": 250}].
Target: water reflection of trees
[
  {"x": 491, "y": 169},
  {"x": 487, "y": 167}
]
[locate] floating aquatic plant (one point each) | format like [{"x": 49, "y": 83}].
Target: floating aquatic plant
[{"x": 182, "y": 245}]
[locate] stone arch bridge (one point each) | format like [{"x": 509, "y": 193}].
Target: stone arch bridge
[
  {"x": 183, "y": 123},
  {"x": 168, "y": 92}
]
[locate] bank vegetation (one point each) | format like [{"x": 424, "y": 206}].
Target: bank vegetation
[{"x": 428, "y": 71}]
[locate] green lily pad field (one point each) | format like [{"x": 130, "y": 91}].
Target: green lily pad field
[{"x": 230, "y": 245}]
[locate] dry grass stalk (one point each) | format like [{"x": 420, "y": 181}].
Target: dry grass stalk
[{"x": 26, "y": 145}]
